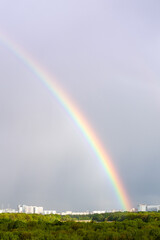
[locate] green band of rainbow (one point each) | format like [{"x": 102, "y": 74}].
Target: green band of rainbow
[{"x": 76, "y": 115}]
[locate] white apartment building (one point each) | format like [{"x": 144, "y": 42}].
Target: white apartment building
[
  {"x": 38, "y": 210},
  {"x": 8, "y": 210},
  {"x": 148, "y": 208},
  {"x": 142, "y": 207},
  {"x": 49, "y": 212},
  {"x": 67, "y": 213},
  {"x": 98, "y": 212},
  {"x": 80, "y": 213},
  {"x": 153, "y": 208},
  {"x": 30, "y": 209}
]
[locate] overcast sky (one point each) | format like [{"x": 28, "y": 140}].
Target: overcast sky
[{"x": 105, "y": 55}]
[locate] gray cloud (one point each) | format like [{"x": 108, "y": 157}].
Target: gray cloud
[{"x": 105, "y": 54}]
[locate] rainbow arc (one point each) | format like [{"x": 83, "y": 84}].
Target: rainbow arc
[{"x": 76, "y": 116}]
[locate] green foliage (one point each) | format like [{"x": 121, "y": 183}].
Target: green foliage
[{"x": 108, "y": 226}]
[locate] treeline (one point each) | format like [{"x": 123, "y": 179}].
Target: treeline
[
  {"x": 33, "y": 217},
  {"x": 114, "y": 226},
  {"x": 119, "y": 216}
]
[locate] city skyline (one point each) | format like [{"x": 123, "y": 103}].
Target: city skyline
[{"x": 32, "y": 209}]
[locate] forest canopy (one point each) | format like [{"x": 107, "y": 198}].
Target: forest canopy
[{"x": 105, "y": 226}]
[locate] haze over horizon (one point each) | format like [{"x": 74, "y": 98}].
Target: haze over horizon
[{"x": 105, "y": 55}]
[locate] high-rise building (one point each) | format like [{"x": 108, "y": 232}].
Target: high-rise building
[
  {"x": 153, "y": 208},
  {"x": 142, "y": 207},
  {"x": 38, "y": 210},
  {"x": 148, "y": 208},
  {"x": 49, "y": 212},
  {"x": 30, "y": 209}
]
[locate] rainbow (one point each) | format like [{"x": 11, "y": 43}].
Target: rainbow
[{"x": 75, "y": 114}]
